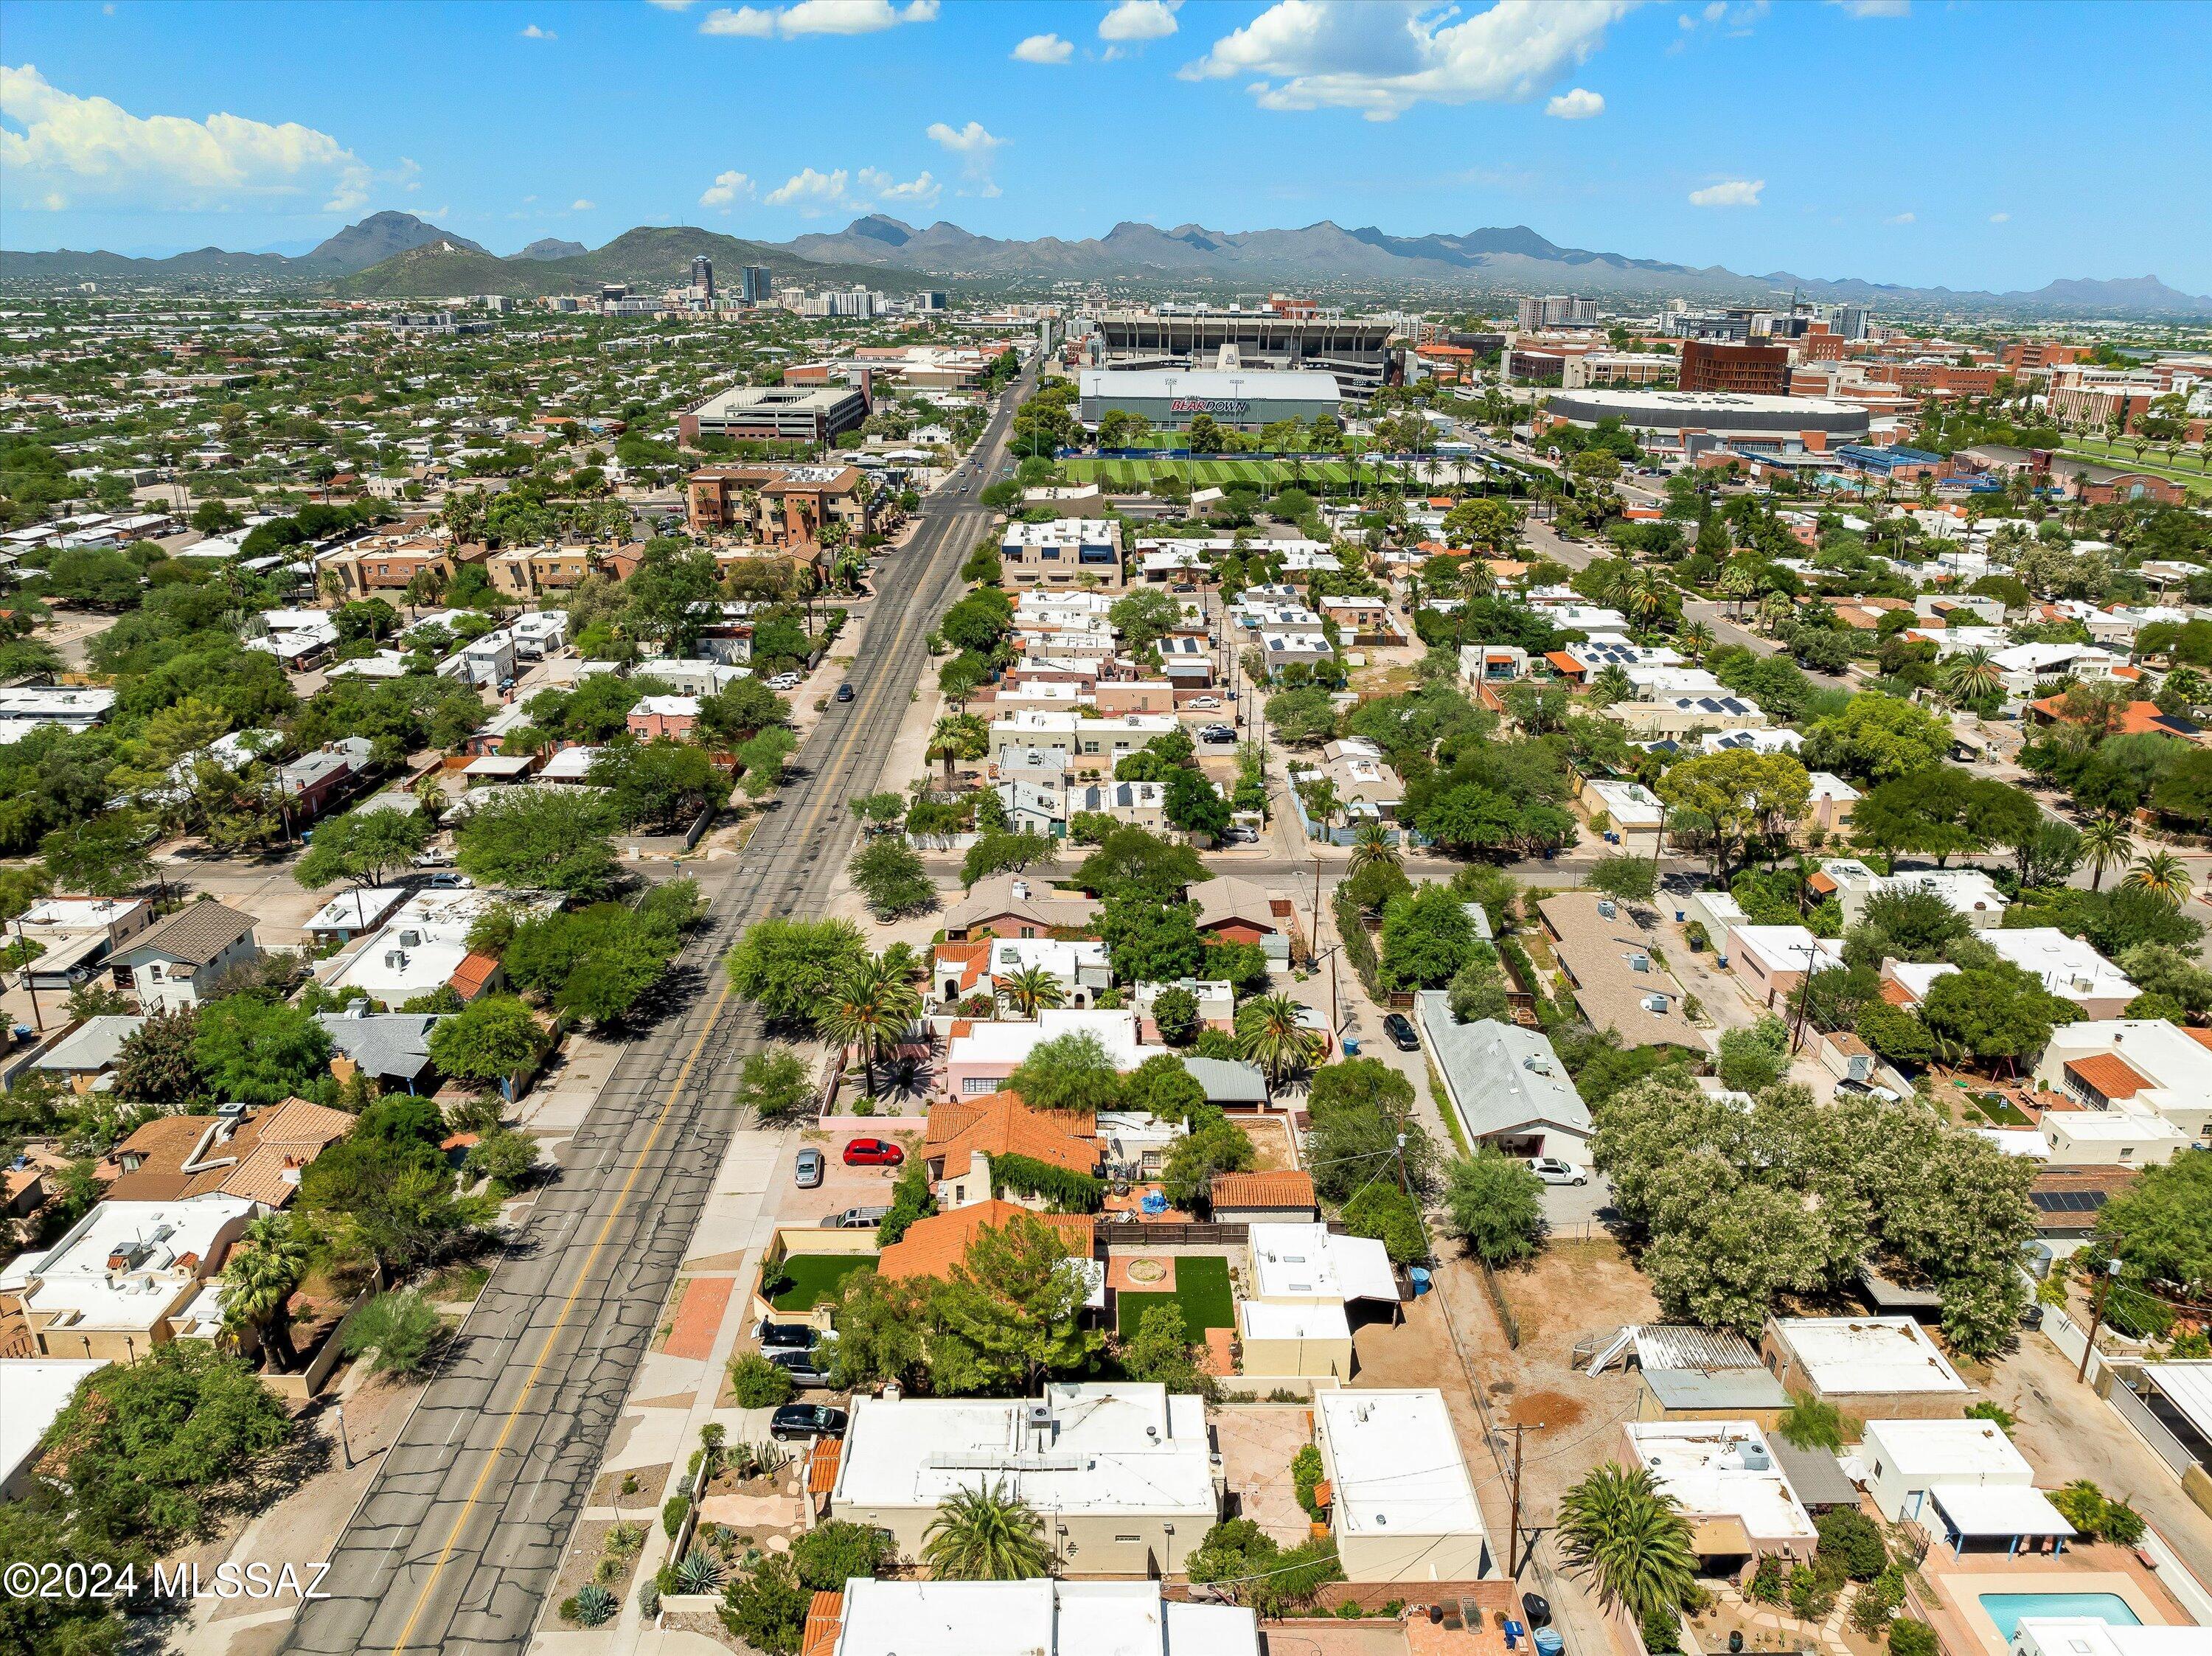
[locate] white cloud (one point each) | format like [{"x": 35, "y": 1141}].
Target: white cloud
[
  {"x": 92, "y": 147},
  {"x": 1736, "y": 192},
  {"x": 1576, "y": 106},
  {"x": 726, "y": 188},
  {"x": 1383, "y": 58},
  {"x": 1875, "y": 8},
  {"x": 1044, "y": 49},
  {"x": 921, "y": 191},
  {"x": 534, "y": 33},
  {"x": 1899, "y": 218},
  {"x": 2000, "y": 218},
  {"x": 817, "y": 17},
  {"x": 1138, "y": 20},
  {"x": 813, "y": 193},
  {"x": 976, "y": 150},
  {"x": 809, "y": 188},
  {"x": 580, "y": 205}
]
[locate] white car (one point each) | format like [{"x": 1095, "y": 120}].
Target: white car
[
  {"x": 1553, "y": 1171},
  {"x": 1203, "y": 701},
  {"x": 784, "y": 681}
]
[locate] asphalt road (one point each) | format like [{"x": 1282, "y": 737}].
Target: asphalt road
[{"x": 460, "y": 1537}]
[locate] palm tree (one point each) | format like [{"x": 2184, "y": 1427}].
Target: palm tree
[
  {"x": 2106, "y": 844},
  {"x": 1270, "y": 1032},
  {"x": 1697, "y": 639},
  {"x": 869, "y": 1009},
  {"x": 1645, "y": 595},
  {"x": 1972, "y": 674},
  {"x": 2162, "y": 873},
  {"x": 984, "y": 1535},
  {"x": 264, "y": 1271},
  {"x": 1611, "y": 684},
  {"x": 1736, "y": 585},
  {"x": 1031, "y": 989},
  {"x": 1372, "y": 844},
  {"x": 1627, "y": 1533},
  {"x": 1777, "y": 610},
  {"x": 958, "y": 736}
]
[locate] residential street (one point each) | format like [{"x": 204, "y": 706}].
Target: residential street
[{"x": 459, "y": 1538}]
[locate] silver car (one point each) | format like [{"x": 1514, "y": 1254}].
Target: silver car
[{"x": 808, "y": 1169}]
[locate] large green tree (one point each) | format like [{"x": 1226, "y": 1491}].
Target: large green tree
[
  {"x": 541, "y": 839},
  {"x": 1012, "y": 1313},
  {"x": 788, "y": 967}
]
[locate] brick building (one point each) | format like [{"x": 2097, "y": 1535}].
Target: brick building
[{"x": 1755, "y": 370}]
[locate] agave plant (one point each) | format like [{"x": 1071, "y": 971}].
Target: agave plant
[
  {"x": 594, "y": 1606},
  {"x": 698, "y": 1571}
]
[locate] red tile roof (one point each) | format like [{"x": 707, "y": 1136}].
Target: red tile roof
[
  {"x": 1285, "y": 1189},
  {"x": 931, "y": 1247},
  {"x": 2107, "y": 1075},
  {"x": 1001, "y": 1123},
  {"x": 473, "y": 975},
  {"x": 825, "y": 1622}
]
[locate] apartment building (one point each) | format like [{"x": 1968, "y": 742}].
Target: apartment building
[{"x": 1064, "y": 552}]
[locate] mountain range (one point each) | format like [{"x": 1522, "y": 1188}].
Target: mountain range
[
  {"x": 1515, "y": 259},
  {"x": 397, "y": 255}
]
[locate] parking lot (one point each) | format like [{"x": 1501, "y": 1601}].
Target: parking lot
[{"x": 842, "y": 1186}]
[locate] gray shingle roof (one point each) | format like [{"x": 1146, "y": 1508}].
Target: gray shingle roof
[
  {"x": 95, "y": 1044},
  {"x": 383, "y": 1043},
  {"x": 1487, "y": 1070}
]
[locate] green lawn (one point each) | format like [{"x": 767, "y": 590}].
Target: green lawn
[
  {"x": 1202, "y": 1288},
  {"x": 804, "y": 1280},
  {"x": 1203, "y": 473},
  {"x": 2123, "y": 458}
]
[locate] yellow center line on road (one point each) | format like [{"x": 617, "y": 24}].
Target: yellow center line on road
[{"x": 811, "y": 822}]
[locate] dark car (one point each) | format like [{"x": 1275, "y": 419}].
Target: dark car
[
  {"x": 844, "y": 693},
  {"x": 785, "y": 1336},
  {"x": 1401, "y": 1032},
  {"x": 802, "y": 1423},
  {"x": 872, "y": 1153},
  {"x": 1537, "y": 1609},
  {"x": 801, "y": 1365}
]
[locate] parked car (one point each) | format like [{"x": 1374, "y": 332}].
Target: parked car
[
  {"x": 808, "y": 1169},
  {"x": 784, "y": 681},
  {"x": 785, "y": 1336},
  {"x": 872, "y": 1153},
  {"x": 450, "y": 883},
  {"x": 1203, "y": 701},
  {"x": 802, "y": 1423},
  {"x": 1401, "y": 1031},
  {"x": 1553, "y": 1171},
  {"x": 844, "y": 693},
  {"x": 801, "y": 1365},
  {"x": 1217, "y": 733},
  {"x": 433, "y": 857},
  {"x": 856, "y": 1219}
]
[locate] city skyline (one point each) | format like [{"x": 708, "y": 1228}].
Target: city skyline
[{"x": 1886, "y": 142}]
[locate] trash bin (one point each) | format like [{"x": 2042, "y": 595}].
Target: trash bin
[
  {"x": 1547, "y": 1641},
  {"x": 1350, "y": 1047},
  {"x": 1420, "y": 1278}
]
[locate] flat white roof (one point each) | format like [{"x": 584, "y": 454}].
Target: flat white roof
[
  {"x": 2049, "y": 1635},
  {"x": 1722, "y": 1468},
  {"x": 1263, "y": 1319},
  {"x": 1010, "y": 1041},
  {"x": 1999, "y": 1510},
  {"x": 2188, "y": 1385},
  {"x": 358, "y": 909},
  {"x": 32, "y": 1392},
  {"x": 1119, "y": 1447},
  {"x": 1869, "y": 1353},
  {"x": 1305, "y": 1262},
  {"x": 75, "y": 1275},
  {"x": 1035, "y": 1619},
  {"x": 1937, "y": 1449},
  {"x": 1396, "y": 1464},
  {"x": 1787, "y": 948},
  {"x": 2108, "y": 1126},
  {"x": 2068, "y": 968}
]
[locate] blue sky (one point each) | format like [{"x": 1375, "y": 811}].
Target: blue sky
[{"x": 1975, "y": 145}]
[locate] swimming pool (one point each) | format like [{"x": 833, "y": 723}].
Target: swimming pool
[{"x": 2006, "y": 1610}]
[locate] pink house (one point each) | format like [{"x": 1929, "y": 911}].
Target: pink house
[
  {"x": 982, "y": 1053},
  {"x": 671, "y": 716}
]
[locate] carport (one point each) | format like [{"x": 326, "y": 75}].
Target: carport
[{"x": 1982, "y": 1513}]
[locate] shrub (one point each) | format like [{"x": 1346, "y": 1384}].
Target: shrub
[
  {"x": 1663, "y": 1632},
  {"x": 758, "y": 1383},
  {"x": 1851, "y": 1539},
  {"x": 1305, "y": 1478},
  {"x": 2081, "y": 1504},
  {"x": 591, "y": 1606},
  {"x": 2122, "y": 1525},
  {"x": 698, "y": 1571},
  {"x": 1068, "y": 1192},
  {"x": 673, "y": 1512},
  {"x": 1997, "y": 1413},
  {"x": 1910, "y": 1638}
]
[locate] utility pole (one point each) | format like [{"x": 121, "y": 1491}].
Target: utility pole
[
  {"x": 2097, "y": 1315},
  {"x": 1403, "y": 1188},
  {"x": 24, "y": 972},
  {"x": 1513, "y": 1534}
]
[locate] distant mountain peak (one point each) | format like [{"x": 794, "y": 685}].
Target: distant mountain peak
[
  {"x": 551, "y": 247},
  {"x": 377, "y": 238}
]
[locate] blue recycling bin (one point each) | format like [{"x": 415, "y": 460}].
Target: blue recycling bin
[
  {"x": 1548, "y": 1643},
  {"x": 1419, "y": 1274},
  {"x": 1350, "y": 1047}
]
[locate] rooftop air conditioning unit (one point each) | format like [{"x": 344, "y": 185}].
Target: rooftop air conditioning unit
[
  {"x": 410, "y": 939},
  {"x": 1657, "y": 1004},
  {"x": 1639, "y": 962},
  {"x": 1607, "y": 907},
  {"x": 1754, "y": 1457}
]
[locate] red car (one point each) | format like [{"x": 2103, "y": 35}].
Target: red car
[{"x": 872, "y": 1153}]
